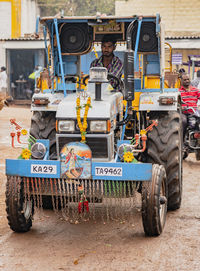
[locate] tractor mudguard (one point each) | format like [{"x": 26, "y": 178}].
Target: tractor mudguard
[{"x": 156, "y": 101}]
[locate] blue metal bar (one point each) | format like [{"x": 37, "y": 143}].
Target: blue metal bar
[
  {"x": 46, "y": 48},
  {"x": 128, "y": 20},
  {"x": 100, "y": 170},
  {"x": 135, "y": 60},
  {"x": 60, "y": 57},
  {"x": 159, "y": 49},
  {"x": 159, "y": 57},
  {"x": 137, "y": 41},
  {"x": 157, "y": 23},
  {"x": 123, "y": 130},
  {"x": 37, "y": 24},
  {"x": 53, "y": 53}
]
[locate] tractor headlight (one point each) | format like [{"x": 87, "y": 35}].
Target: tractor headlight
[
  {"x": 98, "y": 74},
  {"x": 66, "y": 126},
  {"x": 38, "y": 150},
  {"x": 98, "y": 126}
]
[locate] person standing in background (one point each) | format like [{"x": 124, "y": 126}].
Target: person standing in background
[
  {"x": 3, "y": 88},
  {"x": 3, "y": 82}
]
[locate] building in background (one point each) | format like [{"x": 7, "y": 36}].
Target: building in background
[
  {"x": 22, "y": 56},
  {"x": 17, "y": 17},
  {"x": 20, "y": 52},
  {"x": 181, "y": 20}
]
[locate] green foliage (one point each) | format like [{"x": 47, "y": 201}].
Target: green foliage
[
  {"x": 91, "y": 7},
  {"x": 53, "y": 7},
  {"x": 76, "y": 7}
]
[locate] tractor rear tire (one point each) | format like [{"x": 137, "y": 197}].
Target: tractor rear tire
[
  {"x": 154, "y": 202},
  {"x": 164, "y": 147},
  {"x": 43, "y": 126},
  {"x": 19, "y": 211}
]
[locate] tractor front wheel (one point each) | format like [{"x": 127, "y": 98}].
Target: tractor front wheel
[
  {"x": 19, "y": 208},
  {"x": 154, "y": 202}
]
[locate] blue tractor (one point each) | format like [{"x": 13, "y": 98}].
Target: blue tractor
[{"x": 95, "y": 148}]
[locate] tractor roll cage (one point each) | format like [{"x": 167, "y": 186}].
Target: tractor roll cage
[{"x": 51, "y": 25}]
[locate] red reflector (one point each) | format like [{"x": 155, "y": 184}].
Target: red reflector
[
  {"x": 166, "y": 100},
  {"x": 197, "y": 135},
  {"x": 41, "y": 101}
]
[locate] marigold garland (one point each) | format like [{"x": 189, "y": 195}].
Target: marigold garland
[{"x": 82, "y": 126}]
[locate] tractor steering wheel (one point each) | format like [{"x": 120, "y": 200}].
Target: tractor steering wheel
[
  {"x": 118, "y": 81},
  {"x": 71, "y": 78}
]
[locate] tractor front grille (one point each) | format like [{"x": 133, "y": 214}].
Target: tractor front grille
[{"x": 101, "y": 146}]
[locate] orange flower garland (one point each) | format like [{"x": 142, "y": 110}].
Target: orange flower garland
[{"x": 82, "y": 126}]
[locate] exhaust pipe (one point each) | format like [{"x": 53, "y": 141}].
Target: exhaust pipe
[
  {"x": 129, "y": 67},
  {"x": 129, "y": 75}
]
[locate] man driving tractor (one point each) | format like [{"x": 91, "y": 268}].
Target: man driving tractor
[{"x": 109, "y": 60}]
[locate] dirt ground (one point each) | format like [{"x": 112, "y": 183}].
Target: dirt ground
[{"x": 53, "y": 244}]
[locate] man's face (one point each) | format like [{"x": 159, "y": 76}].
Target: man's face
[
  {"x": 185, "y": 81},
  {"x": 107, "y": 48}
]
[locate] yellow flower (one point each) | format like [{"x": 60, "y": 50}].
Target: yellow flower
[
  {"x": 128, "y": 157},
  {"x": 26, "y": 154},
  {"x": 143, "y": 132},
  {"x": 24, "y": 132}
]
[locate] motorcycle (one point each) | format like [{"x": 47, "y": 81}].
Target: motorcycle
[{"x": 191, "y": 142}]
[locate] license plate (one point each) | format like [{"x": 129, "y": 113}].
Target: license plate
[
  {"x": 108, "y": 171},
  {"x": 44, "y": 169}
]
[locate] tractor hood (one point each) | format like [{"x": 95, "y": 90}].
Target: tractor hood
[{"x": 109, "y": 106}]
